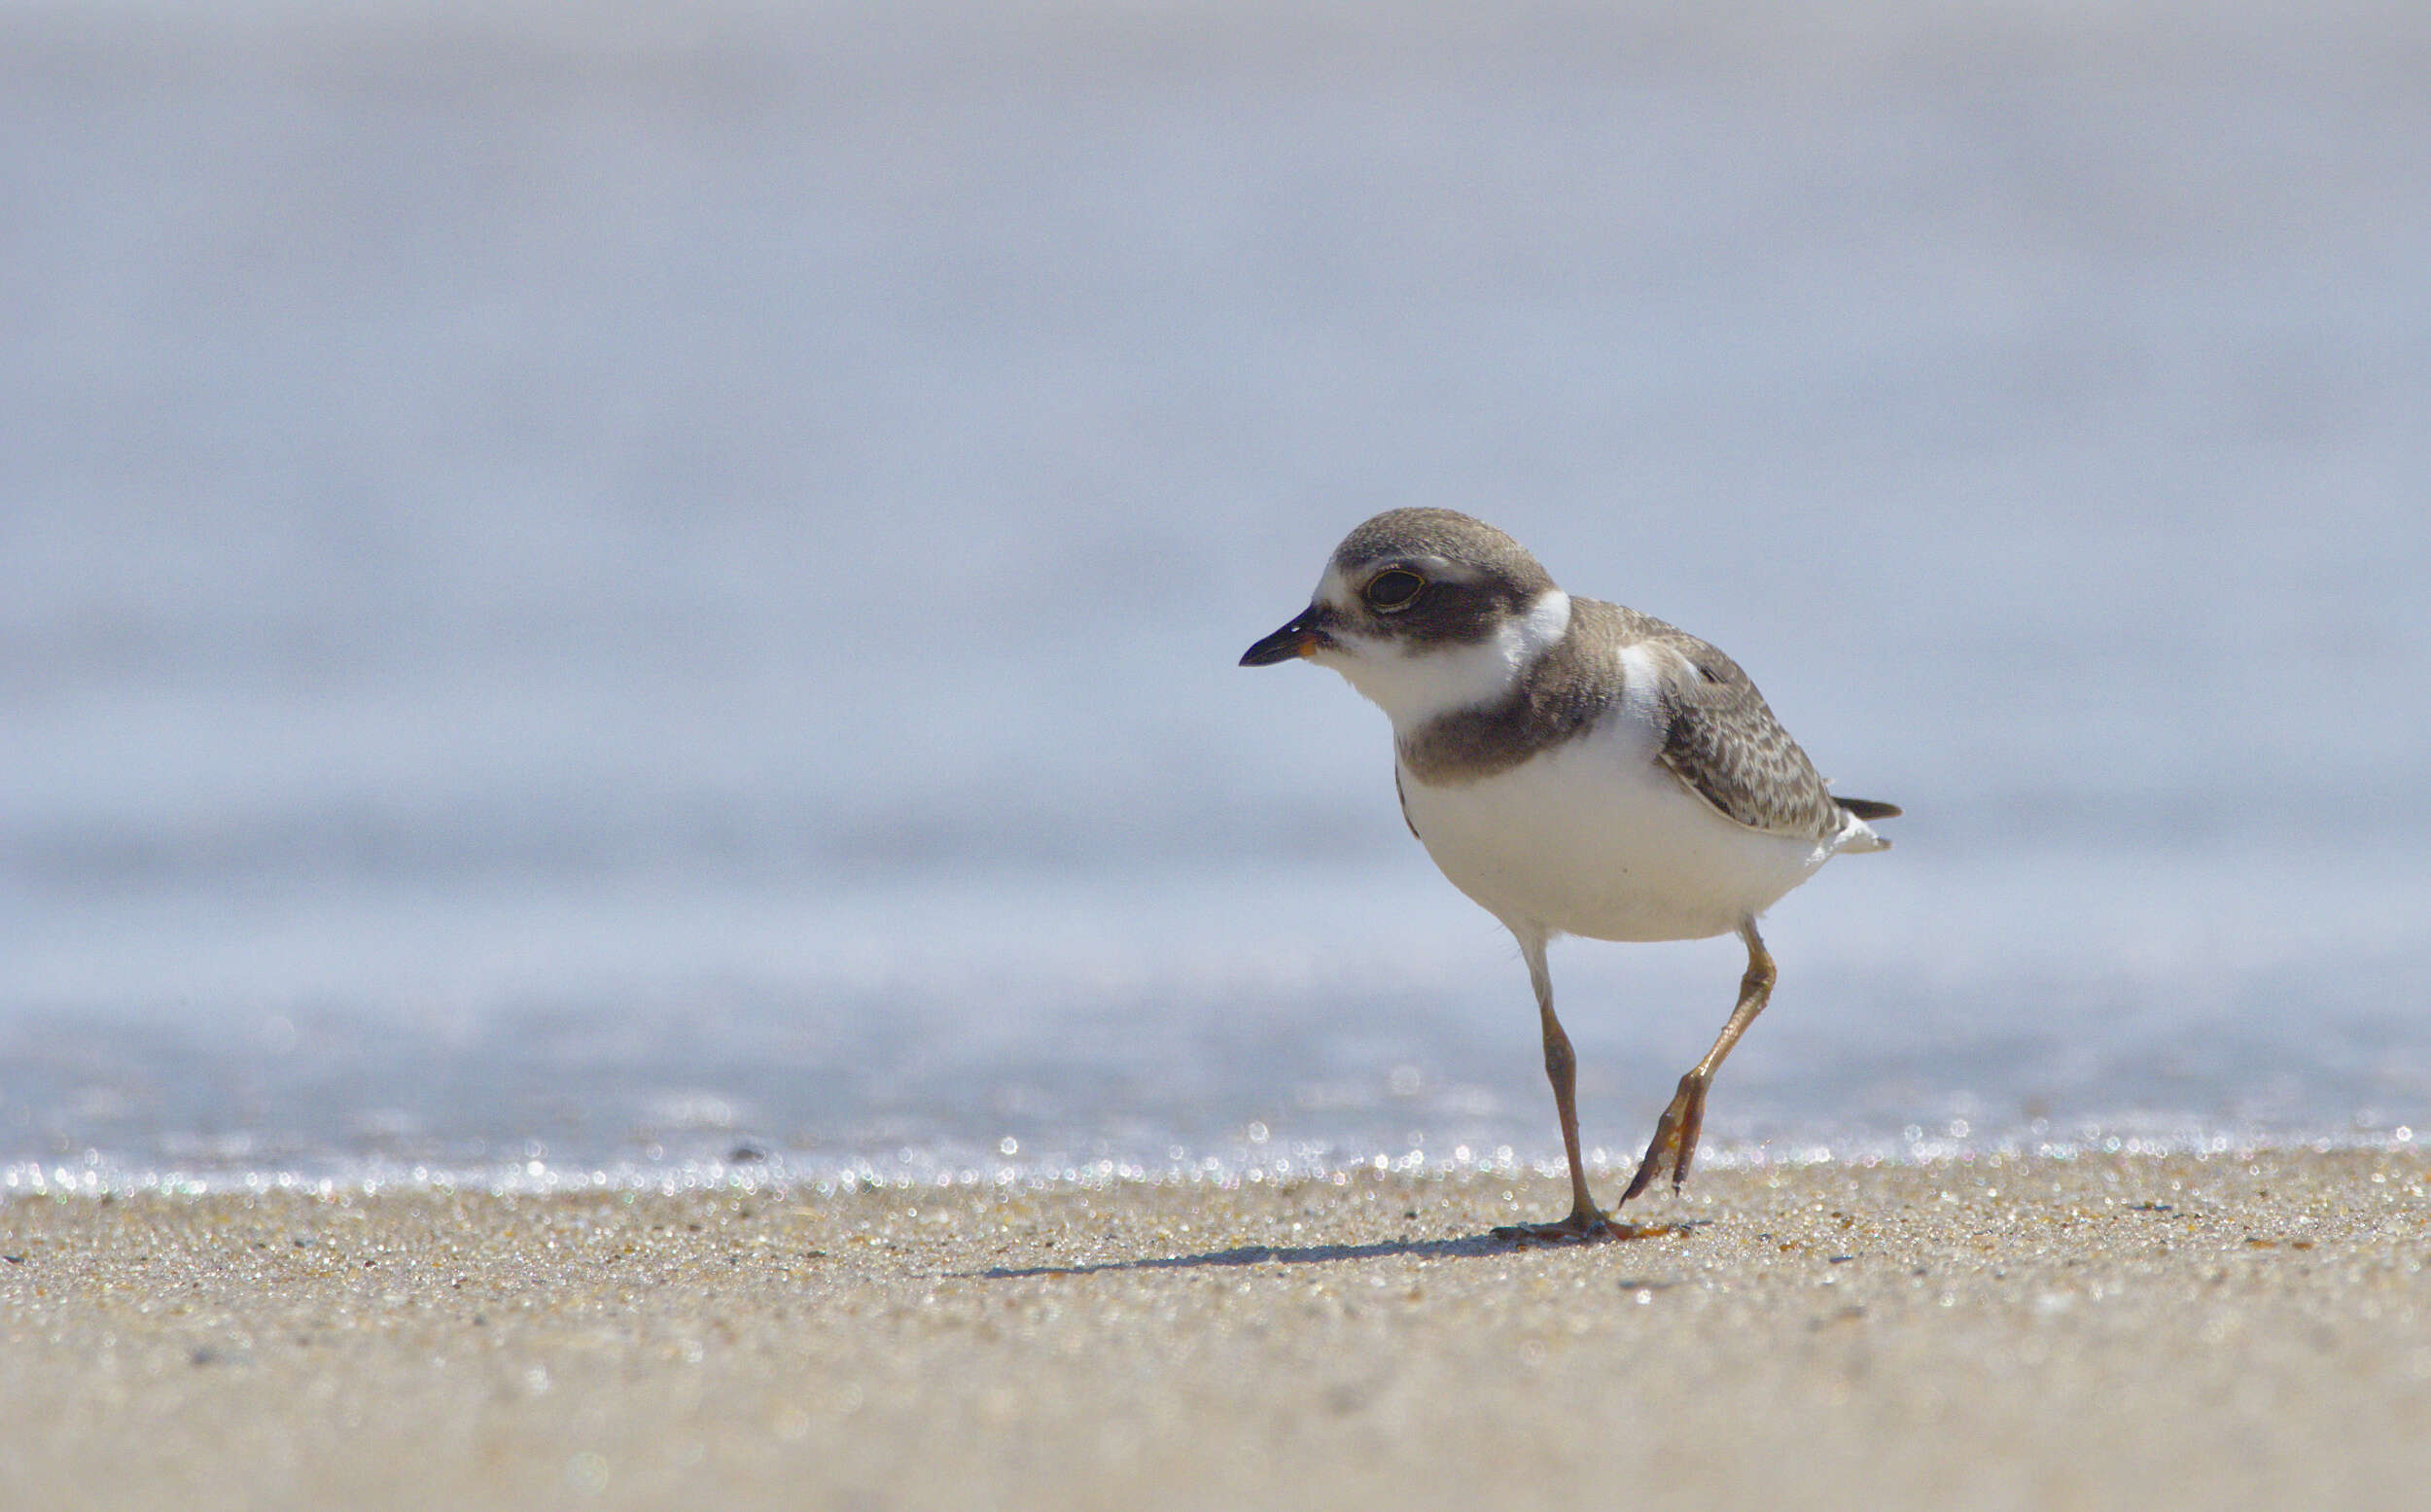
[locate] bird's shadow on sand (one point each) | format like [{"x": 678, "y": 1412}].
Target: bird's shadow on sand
[{"x": 1467, "y": 1246}]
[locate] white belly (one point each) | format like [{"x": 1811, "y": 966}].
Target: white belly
[{"x": 1594, "y": 837}]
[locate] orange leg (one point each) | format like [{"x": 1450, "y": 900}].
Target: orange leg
[{"x": 1675, "y": 1143}]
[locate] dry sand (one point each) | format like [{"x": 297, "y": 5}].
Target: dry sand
[{"x": 2248, "y": 1330}]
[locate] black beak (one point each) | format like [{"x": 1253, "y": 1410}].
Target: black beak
[{"x": 1296, "y": 640}]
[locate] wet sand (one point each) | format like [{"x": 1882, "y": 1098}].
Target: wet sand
[{"x": 2237, "y": 1330}]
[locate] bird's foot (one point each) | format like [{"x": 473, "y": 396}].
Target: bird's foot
[
  {"x": 1675, "y": 1143},
  {"x": 1588, "y": 1227}
]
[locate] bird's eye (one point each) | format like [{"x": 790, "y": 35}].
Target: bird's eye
[{"x": 1394, "y": 589}]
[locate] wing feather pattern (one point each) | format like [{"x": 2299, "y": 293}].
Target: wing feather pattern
[{"x": 1720, "y": 739}]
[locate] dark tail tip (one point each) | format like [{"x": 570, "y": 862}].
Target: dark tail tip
[{"x": 1867, "y": 808}]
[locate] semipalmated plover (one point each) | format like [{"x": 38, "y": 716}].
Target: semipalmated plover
[{"x": 1575, "y": 768}]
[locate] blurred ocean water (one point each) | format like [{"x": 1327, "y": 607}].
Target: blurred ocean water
[{"x": 592, "y": 587}]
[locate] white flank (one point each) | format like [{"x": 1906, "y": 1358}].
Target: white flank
[{"x": 1597, "y": 837}]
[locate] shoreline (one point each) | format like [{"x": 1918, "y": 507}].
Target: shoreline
[
  {"x": 2246, "y": 1329},
  {"x": 789, "y": 1174}
]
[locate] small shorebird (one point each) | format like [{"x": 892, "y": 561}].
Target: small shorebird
[{"x": 1575, "y": 768}]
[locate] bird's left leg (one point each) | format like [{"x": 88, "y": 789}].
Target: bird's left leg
[{"x": 1675, "y": 1143}]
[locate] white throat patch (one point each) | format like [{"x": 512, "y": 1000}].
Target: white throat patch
[{"x": 1414, "y": 686}]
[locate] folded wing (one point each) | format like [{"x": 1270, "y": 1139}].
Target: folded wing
[{"x": 1721, "y": 740}]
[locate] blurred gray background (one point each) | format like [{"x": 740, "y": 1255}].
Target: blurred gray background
[{"x": 627, "y": 582}]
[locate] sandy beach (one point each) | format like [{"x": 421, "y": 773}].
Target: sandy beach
[{"x": 2249, "y": 1329}]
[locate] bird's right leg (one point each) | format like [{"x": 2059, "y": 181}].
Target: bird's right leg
[{"x": 1586, "y": 1219}]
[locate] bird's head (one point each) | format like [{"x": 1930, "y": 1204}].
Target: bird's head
[{"x": 1425, "y": 611}]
